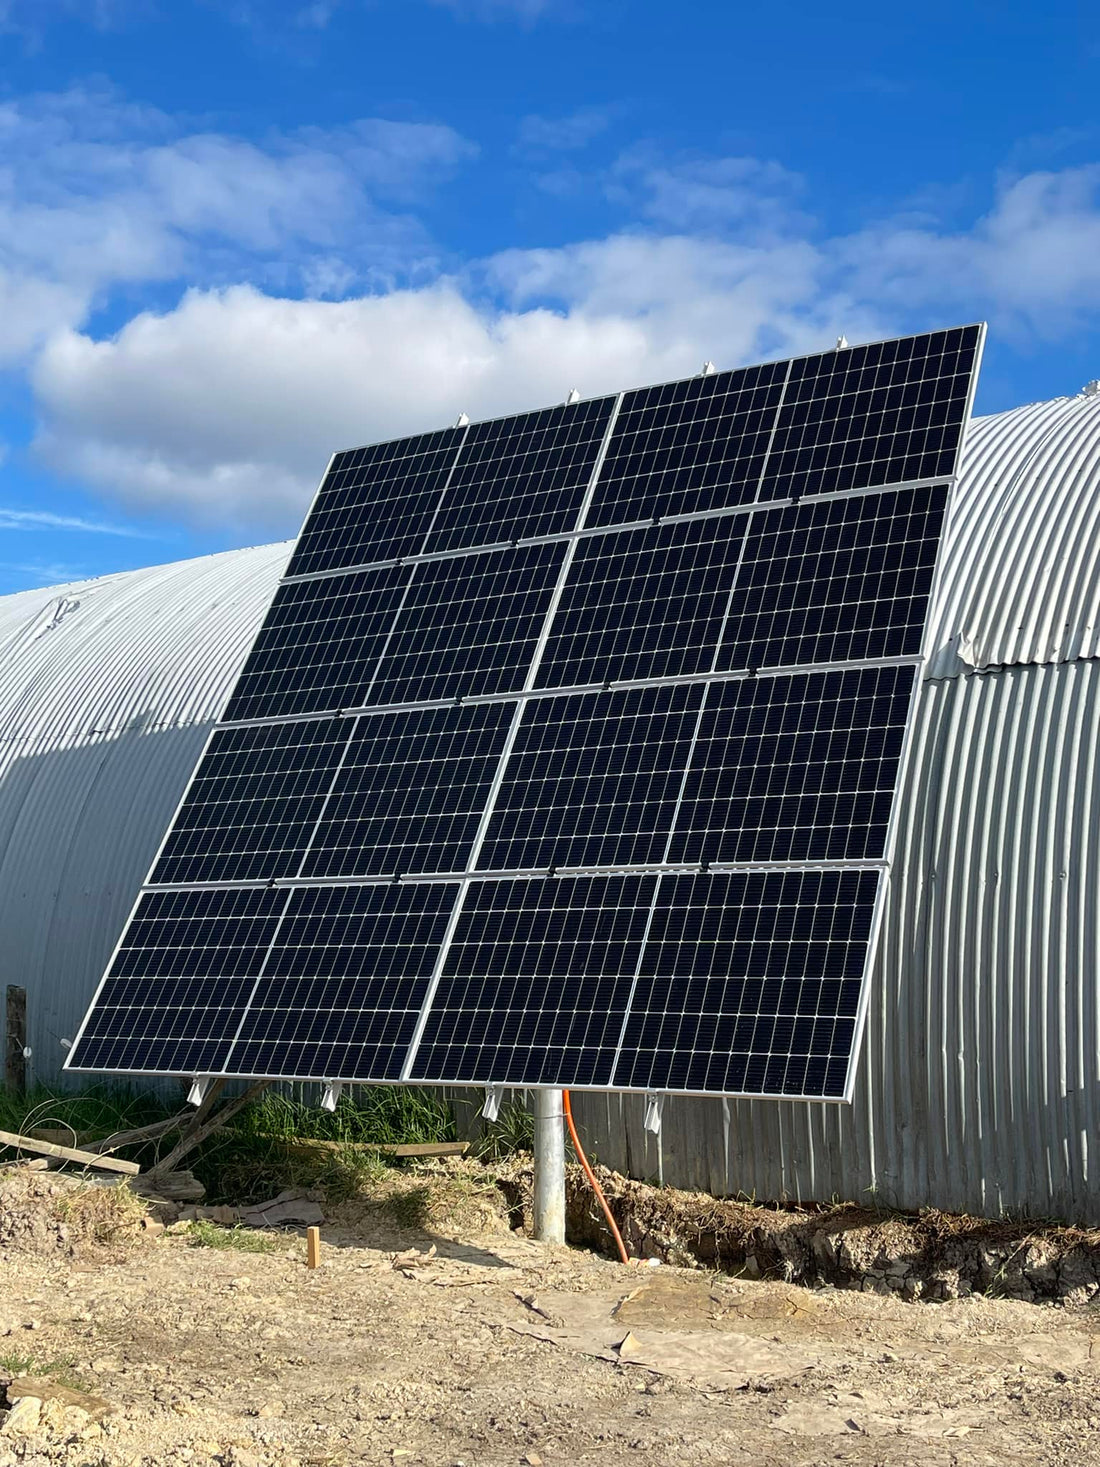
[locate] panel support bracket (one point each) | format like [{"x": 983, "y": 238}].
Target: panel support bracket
[
  {"x": 199, "y": 1086},
  {"x": 654, "y": 1104},
  {"x": 331, "y": 1094},
  {"x": 494, "y": 1094}
]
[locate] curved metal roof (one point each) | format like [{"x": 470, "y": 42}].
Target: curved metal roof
[{"x": 980, "y": 1081}]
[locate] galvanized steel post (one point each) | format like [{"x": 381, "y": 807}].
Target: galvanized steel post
[{"x": 549, "y": 1167}]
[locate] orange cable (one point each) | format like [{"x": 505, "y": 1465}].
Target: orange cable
[{"x": 591, "y": 1175}]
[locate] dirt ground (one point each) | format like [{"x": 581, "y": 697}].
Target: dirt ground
[{"x": 498, "y": 1350}]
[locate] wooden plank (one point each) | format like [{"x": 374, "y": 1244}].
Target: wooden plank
[
  {"x": 69, "y": 1153},
  {"x": 15, "y": 1029},
  {"x": 391, "y": 1148},
  {"x": 313, "y": 1247}
]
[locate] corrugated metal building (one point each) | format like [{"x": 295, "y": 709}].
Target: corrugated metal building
[{"x": 979, "y": 1084}]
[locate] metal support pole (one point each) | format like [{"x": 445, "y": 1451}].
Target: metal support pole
[{"x": 549, "y": 1167}]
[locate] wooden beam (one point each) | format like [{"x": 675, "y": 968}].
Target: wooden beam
[
  {"x": 69, "y": 1153},
  {"x": 196, "y": 1135},
  {"x": 391, "y": 1148},
  {"x": 15, "y": 1030}
]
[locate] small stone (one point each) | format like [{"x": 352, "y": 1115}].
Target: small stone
[
  {"x": 533, "y": 1459},
  {"x": 24, "y": 1417},
  {"x": 34, "y": 1324}
]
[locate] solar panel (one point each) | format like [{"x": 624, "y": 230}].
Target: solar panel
[
  {"x": 568, "y": 751},
  {"x": 521, "y": 477},
  {"x": 376, "y": 503}
]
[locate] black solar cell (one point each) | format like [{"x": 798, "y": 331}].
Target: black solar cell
[
  {"x": 319, "y": 646},
  {"x": 253, "y": 804},
  {"x": 593, "y": 780},
  {"x": 688, "y": 446},
  {"x": 341, "y": 992},
  {"x": 795, "y": 768},
  {"x": 521, "y": 477},
  {"x": 469, "y": 625},
  {"x": 644, "y": 603},
  {"x": 534, "y": 987},
  {"x": 410, "y": 792},
  {"x": 750, "y": 984},
  {"x": 869, "y": 415},
  {"x": 376, "y": 503},
  {"x": 179, "y": 983},
  {"x": 838, "y": 580}
]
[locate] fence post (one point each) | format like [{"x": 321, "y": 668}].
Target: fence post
[{"x": 15, "y": 1028}]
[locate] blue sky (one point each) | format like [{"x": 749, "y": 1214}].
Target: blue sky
[{"x": 238, "y": 234}]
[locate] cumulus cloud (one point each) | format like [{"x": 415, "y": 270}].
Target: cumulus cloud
[
  {"x": 95, "y": 194},
  {"x": 239, "y": 432}
]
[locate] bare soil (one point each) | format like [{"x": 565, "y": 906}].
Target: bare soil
[{"x": 498, "y": 1350}]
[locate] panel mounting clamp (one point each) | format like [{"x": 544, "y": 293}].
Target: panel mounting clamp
[
  {"x": 494, "y": 1094},
  {"x": 653, "y": 1106},
  {"x": 199, "y": 1086},
  {"x": 331, "y": 1094}
]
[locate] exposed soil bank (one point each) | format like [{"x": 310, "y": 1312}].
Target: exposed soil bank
[{"x": 931, "y": 1255}]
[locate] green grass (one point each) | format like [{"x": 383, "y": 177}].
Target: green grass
[
  {"x": 17, "y": 1364},
  {"x": 203, "y": 1234},
  {"x": 62, "y": 1368},
  {"x": 253, "y": 1158},
  {"x": 97, "y": 1111},
  {"x": 512, "y": 1131}
]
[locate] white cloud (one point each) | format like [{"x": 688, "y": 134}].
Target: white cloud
[
  {"x": 95, "y": 194},
  {"x": 228, "y": 407},
  {"x": 31, "y": 519},
  {"x": 563, "y": 134},
  {"x": 709, "y": 194},
  {"x": 524, "y": 10}
]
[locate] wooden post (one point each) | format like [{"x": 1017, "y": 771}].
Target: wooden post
[
  {"x": 313, "y": 1247},
  {"x": 15, "y": 1028}
]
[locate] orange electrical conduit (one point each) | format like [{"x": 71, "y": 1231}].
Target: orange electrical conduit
[{"x": 591, "y": 1175}]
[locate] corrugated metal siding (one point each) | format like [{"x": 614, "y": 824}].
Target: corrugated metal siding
[
  {"x": 1021, "y": 574},
  {"x": 979, "y": 1085},
  {"x": 107, "y": 691}
]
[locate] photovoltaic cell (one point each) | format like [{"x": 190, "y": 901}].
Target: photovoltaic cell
[
  {"x": 521, "y": 477},
  {"x": 689, "y": 446},
  {"x": 835, "y": 580},
  {"x": 319, "y": 646},
  {"x": 376, "y": 503},
  {"x": 868, "y": 415},
  {"x": 750, "y": 983},
  {"x": 180, "y": 981},
  {"x": 347, "y": 976},
  {"x": 469, "y": 625},
  {"x": 593, "y": 780},
  {"x": 410, "y": 792},
  {"x": 254, "y": 802},
  {"x": 796, "y": 768},
  {"x": 644, "y": 603},
  {"x": 535, "y": 984}
]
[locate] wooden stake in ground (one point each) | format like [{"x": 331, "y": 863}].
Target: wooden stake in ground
[{"x": 313, "y": 1247}]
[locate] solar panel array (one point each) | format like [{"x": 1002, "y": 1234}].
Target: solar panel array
[{"x": 567, "y": 752}]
